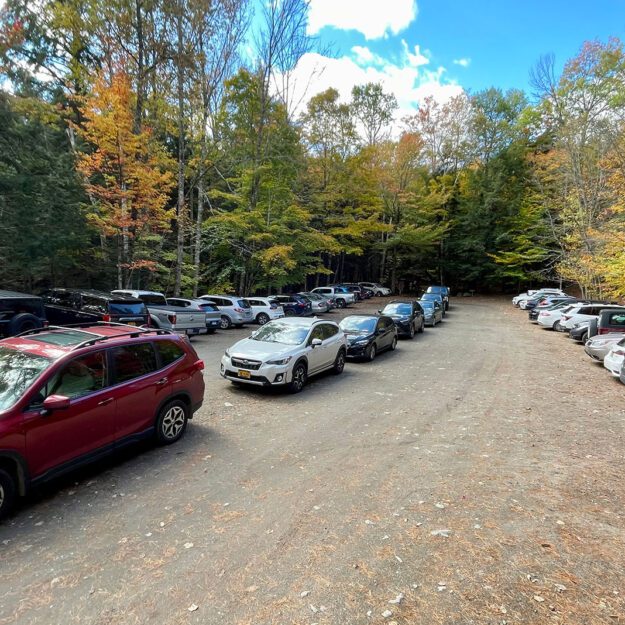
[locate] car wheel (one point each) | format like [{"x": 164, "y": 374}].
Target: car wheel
[
  {"x": 225, "y": 322},
  {"x": 339, "y": 363},
  {"x": 22, "y": 323},
  {"x": 300, "y": 375},
  {"x": 262, "y": 319},
  {"x": 393, "y": 344},
  {"x": 172, "y": 422},
  {"x": 412, "y": 332},
  {"x": 422, "y": 328},
  {"x": 584, "y": 337},
  {"x": 340, "y": 303},
  {"x": 7, "y": 493},
  {"x": 557, "y": 326},
  {"x": 373, "y": 351},
  {"x": 289, "y": 313}
]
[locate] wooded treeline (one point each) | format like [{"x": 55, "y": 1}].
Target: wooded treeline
[{"x": 140, "y": 146}]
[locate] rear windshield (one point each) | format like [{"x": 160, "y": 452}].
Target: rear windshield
[
  {"x": 617, "y": 319},
  {"x": 18, "y": 370},
  {"x": 127, "y": 308},
  {"x": 243, "y": 303}
]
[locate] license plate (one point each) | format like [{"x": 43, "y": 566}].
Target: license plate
[
  {"x": 244, "y": 374},
  {"x": 214, "y": 323},
  {"x": 194, "y": 331},
  {"x": 131, "y": 323}
]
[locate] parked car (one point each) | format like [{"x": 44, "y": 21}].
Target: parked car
[
  {"x": 579, "y": 332},
  {"x": 597, "y": 347},
  {"x": 71, "y": 306},
  {"x": 529, "y": 294},
  {"x": 547, "y": 300},
  {"x": 407, "y": 315},
  {"x": 341, "y": 296},
  {"x": 378, "y": 289},
  {"x": 165, "y": 316},
  {"x": 235, "y": 311},
  {"x": 613, "y": 360},
  {"x": 551, "y": 317},
  {"x": 368, "y": 335},
  {"x": 432, "y": 312},
  {"x": 20, "y": 312},
  {"x": 213, "y": 317},
  {"x": 434, "y": 297},
  {"x": 583, "y": 312},
  {"x": 294, "y": 305},
  {"x": 265, "y": 309},
  {"x": 609, "y": 321},
  {"x": 318, "y": 303},
  {"x": 286, "y": 352},
  {"x": 535, "y": 312},
  {"x": 326, "y": 300},
  {"x": 356, "y": 289},
  {"x": 70, "y": 395},
  {"x": 443, "y": 291}
]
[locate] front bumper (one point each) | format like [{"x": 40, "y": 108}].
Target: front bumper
[
  {"x": 265, "y": 375},
  {"x": 403, "y": 328},
  {"x": 597, "y": 352},
  {"x": 613, "y": 365},
  {"x": 357, "y": 350}
]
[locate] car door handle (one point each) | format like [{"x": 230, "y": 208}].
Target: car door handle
[
  {"x": 105, "y": 402},
  {"x": 161, "y": 382}
]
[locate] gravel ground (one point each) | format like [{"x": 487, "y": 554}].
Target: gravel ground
[{"x": 475, "y": 475}]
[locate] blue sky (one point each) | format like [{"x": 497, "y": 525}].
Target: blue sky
[{"x": 442, "y": 47}]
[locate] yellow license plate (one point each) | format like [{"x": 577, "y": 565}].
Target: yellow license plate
[
  {"x": 132, "y": 323},
  {"x": 244, "y": 374}
]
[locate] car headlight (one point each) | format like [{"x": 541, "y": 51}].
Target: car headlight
[
  {"x": 280, "y": 361},
  {"x": 361, "y": 341}
]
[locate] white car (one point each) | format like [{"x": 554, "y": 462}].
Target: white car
[
  {"x": 583, "y": 312},
  {"x": 529, "y": 294},
  {"x": 265, "y": 309},
  {"x": 341, "y": 296},
  {"x": 378, "y": 289},
  {"x": 552, "y": 318},
  {"x": 613, "y": 360},
  {"x": 598, "y": 346},
  {"x": 286, "y": 352}
]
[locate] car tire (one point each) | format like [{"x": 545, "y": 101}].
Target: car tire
[
  {"x": 372, "y": 352},
  {"x": 339, "y": 363},
  {"x": 378, "y": 294},
  {"x": 171, "y": 422},
  {"x": 340, "y": 303},
  {"x": 289, "y": 313},
  {"x": 584, "y": 338},
  {"x": 22, "y": 323},
  {"x": 7, "y": 493},
  {"x": 225, "y": 322},
  {"x": 299, "y": 378},
  {"x": 557, "y": 326},
  {"x": 393, "y": 344},
  {"x": 422, "y": 328},
  {"x": 412, "y": 332},
  {"x": 262, "y": 319}
]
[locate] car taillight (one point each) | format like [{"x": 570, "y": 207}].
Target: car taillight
[
  {"x": 603, "y": 331},
  {"x": 172, "y": 319},
  {"x": 544, "y": 314},
  {"x": 106, "y": 317},
  {"x": 565, "y": 317},
  {"x": 239, "y": 310},
  {"x": 619, "y": 352},
  {"x": 45, "y": 324},
  {"x": 198, "y": 365}
]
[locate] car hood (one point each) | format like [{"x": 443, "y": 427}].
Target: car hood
[
  {"x": 261, "y": 350},
  {"x": 398, "y": 317},
  {"x": 357, "y": 336}
]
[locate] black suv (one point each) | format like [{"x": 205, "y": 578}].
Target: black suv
[
  {"x": 20, "y": 312},
  {"x": 407, "y": 315},
  {"x": 68, "y": 306}
]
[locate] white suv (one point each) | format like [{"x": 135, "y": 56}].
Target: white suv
[
  {"x": 378, "y": 289},
  {"x": 550, "y": 318},
  {"x": 341, "y": 296},
  {"x": 583, "y": 312},
  {"x": 286, "y": 352},
  {"x": 265, "y": 309}
]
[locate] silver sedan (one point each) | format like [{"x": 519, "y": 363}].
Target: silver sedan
[{"x": 598, "y": 346}]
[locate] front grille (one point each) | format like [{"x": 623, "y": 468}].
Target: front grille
[{"x": 242, "y": 363}]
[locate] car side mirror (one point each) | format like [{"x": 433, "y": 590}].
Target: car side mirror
[
  {"x": 56, "y": 402},
  {"x": 315, "y": 343},
  {"x": 380, "y": 311}
]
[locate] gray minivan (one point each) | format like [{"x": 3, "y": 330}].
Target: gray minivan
[{"x": 235, "y": 311}]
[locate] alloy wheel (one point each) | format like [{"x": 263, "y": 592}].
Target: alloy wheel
[
  {"x": 372, "y": 352},
  {"x": 173, "y": 422},
  {"x": 224, "y": 323}
]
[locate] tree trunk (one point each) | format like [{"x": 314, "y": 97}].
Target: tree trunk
[{"x": 180, "y": 208}]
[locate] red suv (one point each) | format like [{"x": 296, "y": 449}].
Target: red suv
[{"x": 71, "y": 395}]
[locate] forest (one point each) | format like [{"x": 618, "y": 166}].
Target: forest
[{"x": 158, "y": 144}]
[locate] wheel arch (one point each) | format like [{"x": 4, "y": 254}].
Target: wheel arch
[
  {"x": 15, "y": 465},
  {"x": 182, "y": 396}
]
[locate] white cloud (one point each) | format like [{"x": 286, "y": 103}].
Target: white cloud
[
  {"x": 410, "y": 82},
  {"x": 416, "y": 59},
  {"x": 364, "y": 56},
  {"x": 373, "y": 18},
  {"x": 464, "y": 62}
]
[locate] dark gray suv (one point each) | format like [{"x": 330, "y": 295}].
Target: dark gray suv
[{"x": 20, "y": 312}]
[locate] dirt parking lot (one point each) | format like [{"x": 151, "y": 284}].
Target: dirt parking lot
[{"x": 474, "y": 476}]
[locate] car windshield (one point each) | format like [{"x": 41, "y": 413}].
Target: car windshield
[
  {"x": 397, "y": 309},
  {"x": 285, "y": 333},
  {"x": 130, "y": 308},
  {"x": 431, "y": 296},
  {"x": 427, "y": 304},
  {"x": 18, "y": 370},
  {"x": 358, "y": 324}
]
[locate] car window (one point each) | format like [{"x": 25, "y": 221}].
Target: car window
[
  {"x": 18, "y": 370},
  {"x": 127, "y": 308},
  {"x": 133, "y": 361},
  {"x": 329, "y": 330},
  {"x": 62, "y": 298},
  {"x": 94, "y": 304},
  {"x": 255, "y": 302},
  {"x": 317, "y": 333},
  {"x": 218, "y": 301},
  {"x": 418, "y": 308},
  {"x": 617, "y": 319},
  {"x": 80, "y": 376},
  {"x": 168, "y": 352}
]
